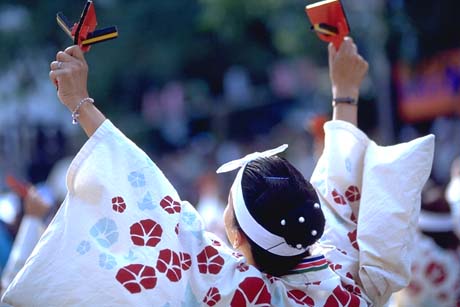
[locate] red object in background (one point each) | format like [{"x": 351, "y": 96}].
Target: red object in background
[
  {"x": 316, "y": 126},
  {"x": 329, "y": 21},
  {"x": 18, "y": 187}
]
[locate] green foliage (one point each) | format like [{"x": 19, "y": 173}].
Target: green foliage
[{"x": 164, "y": 40}]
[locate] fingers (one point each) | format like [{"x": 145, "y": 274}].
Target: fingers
[
  {"x": 349, "y": 52},
  {"x": 63, "y": 61},
  {"x": 53, "y": 77},
  {"x": 348, "y": 46},
  {"x": 69, "y": 72},
  {"x": 75, "y": 51},
  {"x": 56, "y": 69},
  {"x": 332, "y": 52},
  {"x": 56, "y": 65},
  {"x": 71, "y": 58},
  {"x": 64, "y": 57},
  {"x": 70, "y": 54},
  {"x": 347, "y": 69}
]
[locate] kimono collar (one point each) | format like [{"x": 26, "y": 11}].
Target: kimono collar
[{"x": 310, "y": 264}]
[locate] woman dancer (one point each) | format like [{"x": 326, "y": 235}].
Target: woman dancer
[{"x": 123, "y": 236}]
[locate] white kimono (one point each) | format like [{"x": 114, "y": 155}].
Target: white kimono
[{"x": 123, "y": 237}]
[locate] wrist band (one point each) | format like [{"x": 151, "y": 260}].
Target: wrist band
[
  {"x": 348, "y": 100},
  {"x": 75, "y": 113}
]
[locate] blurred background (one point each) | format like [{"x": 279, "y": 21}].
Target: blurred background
[{"x": 196, "y": 83}]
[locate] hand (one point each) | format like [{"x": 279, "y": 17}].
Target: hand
[
  {"x": 347, "y": 69},
  {"x": 35, "y": 205},
  {"x": 70, "y": 72}
]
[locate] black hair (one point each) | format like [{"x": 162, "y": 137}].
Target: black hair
[{"x": 274, "y": 190}]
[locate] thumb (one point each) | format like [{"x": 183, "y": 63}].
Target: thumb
[
  {"x": 75, "y": 51},
  {"x": 347, "y": 45},
  {"x": 332, "y": 52}
]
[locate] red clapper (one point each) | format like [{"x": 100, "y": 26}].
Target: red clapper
[
  {"x": 84, "y": 33},
  {"x": 329, "y": 21},
  {"x": 18, "y": 187}
]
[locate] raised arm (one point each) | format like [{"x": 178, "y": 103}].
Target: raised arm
[
  {"x": 70, "y": 72},
  {"x": 347, "y": 70}
]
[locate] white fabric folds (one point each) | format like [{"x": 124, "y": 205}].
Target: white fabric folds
[{"x": 381, "y": 195}]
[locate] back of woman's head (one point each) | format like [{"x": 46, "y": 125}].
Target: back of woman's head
[{"x": 280, "y": 199}]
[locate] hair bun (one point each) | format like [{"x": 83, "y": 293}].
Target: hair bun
[
  {"x": 303, "y": 225},
  {"x": 280, "y": 199}
]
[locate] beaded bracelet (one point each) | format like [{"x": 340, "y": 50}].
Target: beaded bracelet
[{"x": 75, "y": 113}]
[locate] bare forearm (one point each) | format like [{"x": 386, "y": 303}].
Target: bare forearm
[
  {"x": 347, "y": 70},
  {"x": 342, "y": 110},
  {"x": 90, "y": 118},
  {"x": 346, "y": 112}
]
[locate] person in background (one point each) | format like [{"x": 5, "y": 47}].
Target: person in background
[
  {"x": 40, "y": 204},
  {"x": 436, "y": 255},
  {"x": 30, "y": 231}
]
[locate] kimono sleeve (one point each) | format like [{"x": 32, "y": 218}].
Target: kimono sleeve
[
  {"x": 393, "y": 178},
  {"x": 122, "y": 237},
  {"x": 371, "y": 198},
  {"x": 338, "y": 180}
]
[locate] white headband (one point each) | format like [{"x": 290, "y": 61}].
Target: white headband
[{"x": 269, "y": 241}]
